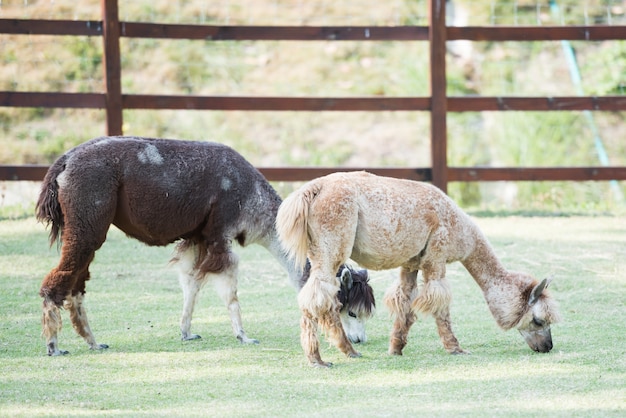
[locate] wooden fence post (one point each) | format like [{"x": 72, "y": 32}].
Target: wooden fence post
[
  {"x": 438, "y": 94},
  {"x": 112, "y": 66}
]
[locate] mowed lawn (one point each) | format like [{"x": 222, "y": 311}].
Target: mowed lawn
[{"x": 134, "y": 304}]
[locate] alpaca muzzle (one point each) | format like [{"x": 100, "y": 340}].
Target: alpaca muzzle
[{"x": 538, "y": 340}]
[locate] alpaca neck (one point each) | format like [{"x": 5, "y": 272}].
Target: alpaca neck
[
  {"x": 483, "y": 264},
  {"x": 272, "y": 244},
  {"x": 501, "y": 288}
]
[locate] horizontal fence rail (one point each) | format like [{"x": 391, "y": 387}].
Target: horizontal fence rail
[
  {"x": 314, "y": 33},
  {"x": 34, "y": 172},
  {"x": 113, "y": 100},
  {"x": 308, "y": 104}
]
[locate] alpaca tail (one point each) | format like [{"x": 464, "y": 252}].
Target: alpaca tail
[
  {"x": 48, "y": 209},
  {"x": 292, "y": 222}
]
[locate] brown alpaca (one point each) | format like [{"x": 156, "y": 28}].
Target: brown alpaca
[
  {"x": 202, "y": 195},
  {"x": 383, "y": 223}
]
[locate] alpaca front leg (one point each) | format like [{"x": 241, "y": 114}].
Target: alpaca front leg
[
  {"x": 400, "y": 333},
  {"x": 191, "y": 282},
  {"x": 398, "y": 300},
  {"x": 78, "y": 316},
  {"x": 435, "y": 299},
  {"x": 444, "y": 328},
  {"x": 191, "y": 288},
  {"x": 51, "y": 324},
  {"x": 226, "y": 286}
]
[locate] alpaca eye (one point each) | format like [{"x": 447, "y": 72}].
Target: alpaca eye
[
  {"x": 351, "y": 314},
  {"x": 538, "y": 322}
]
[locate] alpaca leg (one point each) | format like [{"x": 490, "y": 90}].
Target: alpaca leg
[
  {"x": 78, "y": 316},
  {"x": 435, "y": 299},
  {"x": 191, "y": 288},
  {"x": 221, "y": 269},
  {"x": 319, "y": 305},
  {"x": 310, "y": 342},
  {"x": 331, "y": 239},
  {"x": 85, "y": 229},
  {"x": 51, "y": 323},
  {"x": 191, "y": 283},
  {"x": 398, "y": 299},
  {"x": 226, "y": 286},
  {"x": 55, "y": 288},
  {"x": 444, "y": 328}
]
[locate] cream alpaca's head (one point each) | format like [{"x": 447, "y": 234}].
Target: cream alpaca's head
[{"x": 541, "y": 312}]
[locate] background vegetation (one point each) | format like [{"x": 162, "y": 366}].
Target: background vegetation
[
  {"x": 73, "y": 64},
  {"x": 134, "y": 304}
]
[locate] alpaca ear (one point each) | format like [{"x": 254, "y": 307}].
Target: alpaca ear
[
  {"x": 346, "y": 278},
  {"x": 537, "y": 290}
]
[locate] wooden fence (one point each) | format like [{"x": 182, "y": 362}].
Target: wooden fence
[{"x": 113, "y": 100}]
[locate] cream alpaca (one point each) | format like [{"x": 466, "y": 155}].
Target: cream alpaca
[{"x": 383, "y": 223}]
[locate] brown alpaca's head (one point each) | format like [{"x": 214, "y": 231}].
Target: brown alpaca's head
[{"x": 535, "y": 324}]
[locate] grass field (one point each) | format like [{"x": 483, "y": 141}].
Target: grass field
[{"x": 134, "y": 304}]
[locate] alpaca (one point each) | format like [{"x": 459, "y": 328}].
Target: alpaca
[
  {"x": 383, "y": 223},
  {"x": 203, "y": 195}
]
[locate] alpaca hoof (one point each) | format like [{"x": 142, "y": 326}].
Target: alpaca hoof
[
  {"x": 53, "y": 350},
  {"x": 355, "y": 354},
  {"x": 395, "y": 352},
  {"x": 246, "y": 340},
  {"x": 57, "y": 353},
  {"x": 99, "y": 347},
  {"x": 322, "y": 365},
  {"x": 191, "y": 337},
  {"x": 459, "y": 351}
]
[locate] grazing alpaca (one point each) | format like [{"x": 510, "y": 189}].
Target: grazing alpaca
[
  {"x": 383, "y": 223},
  {"x": 203, "y": 195}
]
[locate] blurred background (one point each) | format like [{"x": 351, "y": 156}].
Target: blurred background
[{"x": 334, "y": 69}]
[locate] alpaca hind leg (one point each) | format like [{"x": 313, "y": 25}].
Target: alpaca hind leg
[
  {"x": 78, "y": 316},
  {"x": 398, "y": 299},
  {"x": 57, "y": 286},
  {"x": 84, "y": 232},
  {"x": 310, "y": 341},
  {"x": 319, "y": 306},
  {"x": 51, "y": 324},
  {"x": 226, "y": 286},
  {"x": 331, "y": 241}
]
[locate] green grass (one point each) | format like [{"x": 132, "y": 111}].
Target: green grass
[{"x": 134, "y": 304}]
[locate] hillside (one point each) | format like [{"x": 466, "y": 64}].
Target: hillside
[{"x": 73, "y": 64}]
